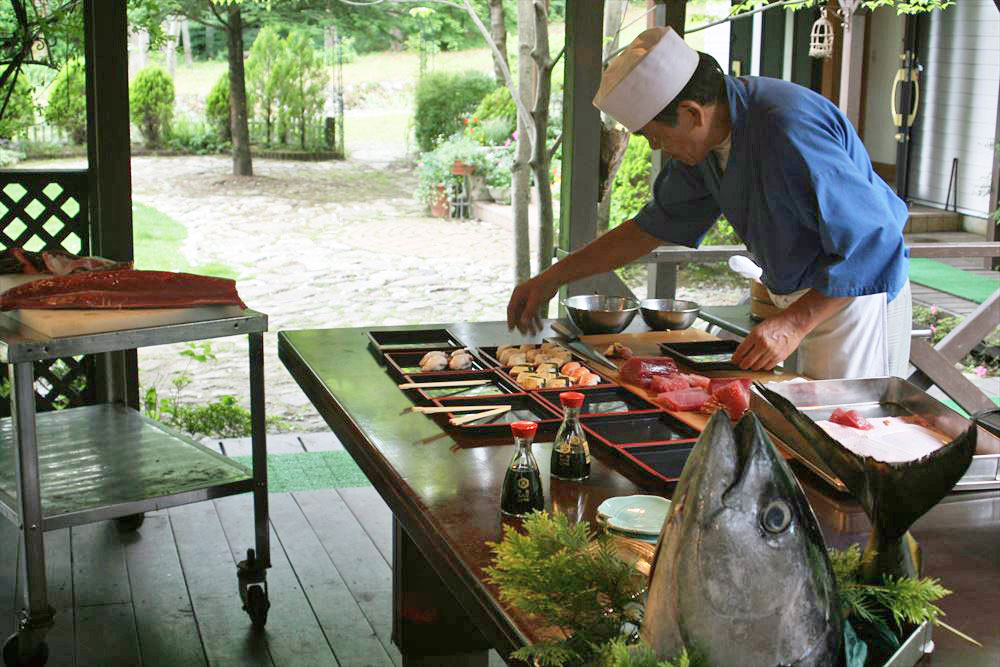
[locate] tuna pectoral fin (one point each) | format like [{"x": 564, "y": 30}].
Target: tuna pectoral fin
[{"x": 894, "y": 495}]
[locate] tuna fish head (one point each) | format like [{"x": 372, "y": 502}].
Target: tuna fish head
[{"x": 741, "y": 570}]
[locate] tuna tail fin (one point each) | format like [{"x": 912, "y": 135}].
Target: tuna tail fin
[{"x": 894, "y": 495}]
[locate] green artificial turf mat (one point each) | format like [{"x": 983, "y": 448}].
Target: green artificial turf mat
[
  {"x": 310, "y": 470},
  {"x": 954, "y": 406},
  {"x": 946, "y": 278}
]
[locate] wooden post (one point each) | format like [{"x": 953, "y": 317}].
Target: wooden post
[
  {"x": 993, "y": 223},
  {"x": 851, "y": 65},
  {"x": 661, "y": 278},
  {"x": 581, "y": 126},
  {"x": 110, "y": 178}
]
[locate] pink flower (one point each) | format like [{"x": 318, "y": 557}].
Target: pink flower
[
  {"x": 980, "y": 371},
  {"x": 933, "y": 328},
  {"x": 514, "y": 135},
  {"x": 507, "y": 143},
  {"x": 934, "y": 310}
]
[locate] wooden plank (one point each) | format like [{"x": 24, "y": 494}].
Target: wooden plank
[
  {"x": 721, "y": 253},
  {"x": 356, "y": 557},
  {"x": 164, "y": 618},
  {"x": 106, "y": 635},
  {"x": 59, "y": 579},
  {"x": 9, "y": 536},
  {"x": 374, "y": 516},
  {"x": 294, "y": 636},
  {"x": 352, "y": 637},
  {"x": 100, "y": 576},
  {"x": 943, "y": 373},
  {"x": 210, "y": 573}
]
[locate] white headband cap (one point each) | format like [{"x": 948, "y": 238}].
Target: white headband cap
[{"x": 646, "y": 77}]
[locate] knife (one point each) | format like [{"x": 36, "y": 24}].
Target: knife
[{"x": 572, "y": 340}]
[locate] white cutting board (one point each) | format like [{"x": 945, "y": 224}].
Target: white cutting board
[{"x": 57, "y": 323}]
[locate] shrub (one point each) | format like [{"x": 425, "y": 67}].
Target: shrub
[
  {"x": 151, "y": 103},
  {"x": 217, "y": 108},
  {"x": 631, "y": 190},
  {"x": 196, "y": 137},
  {"x": 67, "y": 108},
  {"x": 266, "y": 73},
  {"x": 442, "y": 100},
  {"x": 20, "y": 112},
  {"x": 305, "y": 83},
  {"x": 434, "y": 167},
  {"x": 9, "y": 157}
]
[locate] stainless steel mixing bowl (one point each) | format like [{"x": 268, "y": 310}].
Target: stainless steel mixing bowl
[
  {"x": 600, "y": 313},
  {"x": 661, "y": 314}
]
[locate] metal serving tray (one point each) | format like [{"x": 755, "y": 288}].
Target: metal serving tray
[{"x": 873, "y": 398}]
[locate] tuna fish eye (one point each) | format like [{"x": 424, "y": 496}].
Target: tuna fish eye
[{"x": 776, "y": 516}]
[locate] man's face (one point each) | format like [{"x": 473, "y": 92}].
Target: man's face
[{"x": 687, "y": 141}]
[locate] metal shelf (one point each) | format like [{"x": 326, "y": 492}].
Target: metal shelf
[
  {"x": 104, "y": 461},
  {"x": 19, "y": 343}
]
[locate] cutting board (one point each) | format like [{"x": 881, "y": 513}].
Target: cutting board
[
  {"x": 59, "y": 323},
  {"x": 647, "y": 344}
]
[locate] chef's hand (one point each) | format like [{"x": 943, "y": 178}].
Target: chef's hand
[
  {"x": 768, "y": 344},
  {"x": 525, "y": 300}
]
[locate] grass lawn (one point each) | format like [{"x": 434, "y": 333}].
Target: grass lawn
[
  {"x": 158, "y": 238},
  {"x": 388, "y": 129}
]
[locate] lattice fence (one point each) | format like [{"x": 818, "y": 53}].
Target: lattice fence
[{"x": 41, "y": 210}]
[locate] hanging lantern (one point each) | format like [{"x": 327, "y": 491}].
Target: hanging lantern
[{"x": 821, "y": 37}]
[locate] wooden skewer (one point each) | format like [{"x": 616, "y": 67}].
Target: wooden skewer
[
  {"x": 449, "y": 383},
  {"x": 459, "y": 421},
  {"x": 455, "y": 408}
]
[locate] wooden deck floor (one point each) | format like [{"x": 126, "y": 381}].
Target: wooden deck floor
[
  {"x": 167, "y": 594},
  {"x": 928, "y": 296}
]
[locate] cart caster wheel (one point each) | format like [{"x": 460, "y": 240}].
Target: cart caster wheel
[
  {"x": 40, "y": 657},
  {"x": 257, "y": 605},
  {"x": 130, "y": 523}
]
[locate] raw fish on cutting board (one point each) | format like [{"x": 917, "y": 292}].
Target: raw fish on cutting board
[{"x": 59, "y": 323}]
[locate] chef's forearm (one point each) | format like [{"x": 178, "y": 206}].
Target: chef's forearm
[
  {"x": 812, "y": 309},
  {"x": 618, "y": 247}
]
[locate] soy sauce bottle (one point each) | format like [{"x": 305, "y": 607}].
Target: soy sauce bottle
[
  {"x": 522, "y": 486},
  {"x": 570, "y": 452}
]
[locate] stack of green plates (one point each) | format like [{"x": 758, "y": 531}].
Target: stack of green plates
[{"x": 637, "y": 517}]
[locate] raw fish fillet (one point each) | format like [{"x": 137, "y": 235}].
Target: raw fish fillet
[
  {"x": 695, "y": 380},
  {"x": 850, "y": 418},
  {"x": 715, "y": 383},
  {"x": 122, "y": 288},
  {"x": 640, "y": 370},
  {"x": 682, "y": 400},
  {"x": 734, "y": 398},
  {"x": 662, "y": 383}
]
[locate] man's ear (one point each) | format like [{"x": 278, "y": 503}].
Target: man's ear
[{"x": 695, "y": 111}]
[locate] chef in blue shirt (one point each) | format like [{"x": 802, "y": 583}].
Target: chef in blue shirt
[{"x": 789, "y": 172}]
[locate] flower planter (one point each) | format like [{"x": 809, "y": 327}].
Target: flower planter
[
  {"x": 440, "y": 206},
  {"x": 459, "y": 168}
]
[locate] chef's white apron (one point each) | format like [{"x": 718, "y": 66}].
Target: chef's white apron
[{"x": 867, "y": 338}]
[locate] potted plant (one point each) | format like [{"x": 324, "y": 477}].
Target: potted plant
[{"x": 445, "y": 168}]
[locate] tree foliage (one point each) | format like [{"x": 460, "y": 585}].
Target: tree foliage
[
  {"x": 217, "y": 107},
  {"x": 67, "y": 108},
  {"x": 20, "y": 112},
  {"x": 305, "y": 83},
  {"x": 267, "y": 72},
  {"x": 151, "y": 103},
  {"x": 442, "y": 99},
  {"x": 901, "y": 6}
]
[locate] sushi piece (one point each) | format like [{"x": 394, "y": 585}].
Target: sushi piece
[
  {"x": 460, "y": 362},
  {"x": 588, "y": 380},
  {"x": 556, "y": 383},
  {"x": 431, "y": 355},
  {"x": 516, "y": 359},
  {"x": 517, "y": 370},
  {"x": 577, "y": 373},
  {"x": 619, "y": 350},
  {"x": 433, "y": 361},
  {"x": 569, "y": 367},
  {"x": 529, "y": 381}
]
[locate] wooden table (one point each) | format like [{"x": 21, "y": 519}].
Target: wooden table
[{"x": 444, "y": 494}]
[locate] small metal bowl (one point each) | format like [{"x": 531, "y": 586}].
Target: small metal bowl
[
  {"x": 599, "y": 313},
  {"x": 661, "y": 314}
]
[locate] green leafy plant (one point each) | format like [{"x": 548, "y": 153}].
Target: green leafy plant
[
  {"x": 151, "y": 103},
  {"x": 567, "y": 576},
  {"x": 434, "y": 167},
  {"x": 443, "y": 100},
  {"x": 619, "y": 653},
  {"x": 194, "y": 136},
  {"x": 305, "y": 80},
  {"x": 217, "y": 107},
  {"x": 266, "y": 70},
  {"x": 20, "y": 112},
  {"x": 67, "y": 107},
  {"x": 631, "y": 187}
]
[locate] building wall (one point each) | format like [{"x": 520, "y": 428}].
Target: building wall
[{"x": 960, "y": 51}]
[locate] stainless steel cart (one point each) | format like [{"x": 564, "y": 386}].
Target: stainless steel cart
[{"x": 105, "y": 461}]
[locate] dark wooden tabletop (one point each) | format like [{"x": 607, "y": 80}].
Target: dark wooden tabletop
[{"x": 444, "y": 491}]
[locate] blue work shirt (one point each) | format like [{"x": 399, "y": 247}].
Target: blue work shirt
[{"x": 800, "y": 191}]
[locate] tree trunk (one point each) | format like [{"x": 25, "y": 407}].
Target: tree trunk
[
  {"x": 170, "y": 47},
  {"x": 614, "y": 15},
  {"x": 521, "y": 173},
  {"x": 242, "y": 165},
  {"x": 498, "y": 30},
  {"x": 186, "y": 40},
  {"x": 540, "y": 152}
]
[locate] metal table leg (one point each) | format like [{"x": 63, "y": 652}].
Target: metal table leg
[
  {"x": 252, "y": 572},
  {"x": 36, "y": 615}
]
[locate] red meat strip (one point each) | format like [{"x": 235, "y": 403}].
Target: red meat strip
[
  {"x": 682, "y": 400},
  {"x": 662, "y": 383},
  {"x": 734, "y": 398},
  {"x": 64, "y": 263},
  {"x": 122, "y": 288},
  {"x": 695, "y": 380},
  {"x": 28, "y": 260},
  {"x": 721, "y": 382},
  {"x": 850, "y": 418},
  {"x": 640, "y": 370}
]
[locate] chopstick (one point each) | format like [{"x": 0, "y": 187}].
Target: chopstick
[
  {"x": 456, "y": 408},
  {"x": 449, "y": 383},
  {"x": 459, "y": 421}
]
